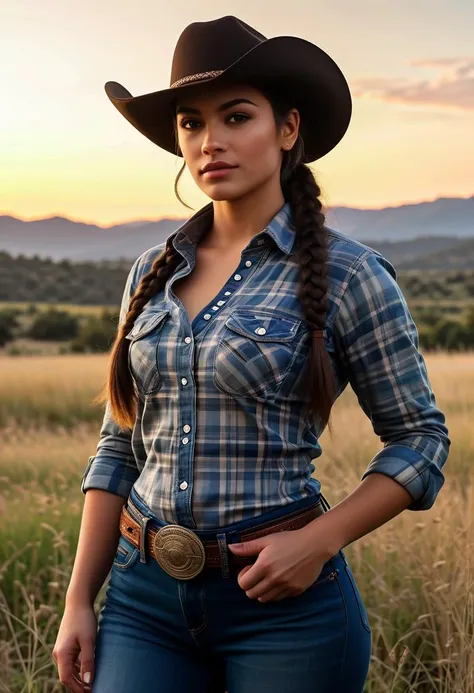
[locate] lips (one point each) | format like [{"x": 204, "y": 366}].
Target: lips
[{"x": 216, "y": 166}]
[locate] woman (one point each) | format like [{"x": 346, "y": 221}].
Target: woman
[{"x": 236, "y": 336}]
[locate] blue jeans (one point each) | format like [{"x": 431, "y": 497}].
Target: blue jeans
[{"x": 158, "y": 634}]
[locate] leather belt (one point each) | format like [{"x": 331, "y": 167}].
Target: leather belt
[{"x": 182, "y": 554}]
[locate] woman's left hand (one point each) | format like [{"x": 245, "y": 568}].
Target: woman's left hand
[{"x": 287, "y": 564}]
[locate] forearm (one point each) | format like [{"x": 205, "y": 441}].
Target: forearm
[
  {"x": 376, "y": 500},
  {"x": 97, "y": 544}
]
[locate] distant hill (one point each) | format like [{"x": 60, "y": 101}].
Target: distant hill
[
  {"x": 446, "y": 216},
  {"x": 428, "y": 253},
  {"x": 408, "y": 232}
]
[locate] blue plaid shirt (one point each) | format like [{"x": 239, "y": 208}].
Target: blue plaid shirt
[{"x": 224, "y": 429}]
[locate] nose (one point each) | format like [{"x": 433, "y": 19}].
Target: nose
[{"x": 212, "y": 142}]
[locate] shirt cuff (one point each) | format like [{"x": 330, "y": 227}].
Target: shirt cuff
[
  {"x": 107, "y": 474},
  {"x": 415, "y": 472}
]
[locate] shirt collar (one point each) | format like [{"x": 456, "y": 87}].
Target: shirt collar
[{"x": 280, "y": 229}]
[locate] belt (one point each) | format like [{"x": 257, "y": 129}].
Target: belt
[{"x": 182, "y": 554}]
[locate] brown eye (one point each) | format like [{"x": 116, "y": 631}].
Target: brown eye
[
  {"x": 184, "y": 122},
  {"x": 239, "y": 115}
]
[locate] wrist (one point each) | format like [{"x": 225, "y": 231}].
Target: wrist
[
  {"x": 321, "y": 535},
  {"x": 78, "y": 598}
]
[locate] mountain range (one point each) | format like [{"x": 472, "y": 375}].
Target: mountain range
[{"x": 439, "y": 229}]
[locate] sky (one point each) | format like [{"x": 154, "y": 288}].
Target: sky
[{"x": 66, "y": 151}]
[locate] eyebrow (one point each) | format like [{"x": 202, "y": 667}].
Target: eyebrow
[{"x": 222, "y": 107}]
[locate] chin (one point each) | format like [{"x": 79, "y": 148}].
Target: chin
[{"x": 221, "y": 192}]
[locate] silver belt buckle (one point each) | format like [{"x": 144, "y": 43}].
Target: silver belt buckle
[{"x": 179, "y": 551}]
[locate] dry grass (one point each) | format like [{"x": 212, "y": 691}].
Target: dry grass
[{"x": 416, "y": 573}]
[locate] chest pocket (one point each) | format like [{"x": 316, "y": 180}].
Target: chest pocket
[
  {"x": 142, "y": 353},
  {"x": 255, "y": 352}
]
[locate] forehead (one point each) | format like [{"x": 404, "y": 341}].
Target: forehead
[{"x": 211, "y": 95}]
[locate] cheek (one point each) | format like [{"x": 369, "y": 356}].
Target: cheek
[{"x": 258, "y": 151}]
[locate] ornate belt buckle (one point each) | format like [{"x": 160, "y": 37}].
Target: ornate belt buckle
[{"x": 179, "y": 551}]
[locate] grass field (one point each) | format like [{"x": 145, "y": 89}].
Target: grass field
[{"x": 416, "y": 573}]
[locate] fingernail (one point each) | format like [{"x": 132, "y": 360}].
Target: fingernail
[{"x": 87, "y": 677}]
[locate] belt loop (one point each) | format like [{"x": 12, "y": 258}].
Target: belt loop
[
  {"x": 224, "y": 552},
  {"x": 143, "y": 524}
]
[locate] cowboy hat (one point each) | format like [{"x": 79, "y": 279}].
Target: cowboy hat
[{"x": 229, "y": 49}]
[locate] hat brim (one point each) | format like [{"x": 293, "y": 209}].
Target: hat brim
[{"x": 310, "y": 78}]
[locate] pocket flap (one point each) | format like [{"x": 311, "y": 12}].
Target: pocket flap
[
  {"x": 264, "y": 326},
  {"x": 144, "y": 325}
]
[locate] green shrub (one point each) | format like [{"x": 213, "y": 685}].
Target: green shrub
[
  {"x": 96, "y": 334},
  {"x": 54, "y": 325}
]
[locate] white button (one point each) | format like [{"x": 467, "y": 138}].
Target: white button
[
  {"x": 248, "y": 263},
  {"x": 207, "y": 316},
  {"x": 187, "y": 340},
  {"x": 186, "y": 428},
  {"x": 260, "y": 330},
  {"x": 215, "y": 307},
  {"x": 183, "y": 485},
  {"x": 220, "y": 303},
  {"x": 227, "y": 293},
  {"x": 237, "y": 277},
  {"x": 184, "y": 381},
  {"x": 185, "y": 441}
]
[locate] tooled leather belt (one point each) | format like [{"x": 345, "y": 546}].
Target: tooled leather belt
[{"x": 182, "y": 554}]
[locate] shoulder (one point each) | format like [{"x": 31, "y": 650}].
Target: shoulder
[
  {"x": 348, "y": 257},
  {"x": 144, "y": 262}
]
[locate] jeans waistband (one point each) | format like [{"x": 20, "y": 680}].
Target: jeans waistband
[{"x": 234, "y": 529}]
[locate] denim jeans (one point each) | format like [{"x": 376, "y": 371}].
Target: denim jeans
[{"x": 158, "y": 634}]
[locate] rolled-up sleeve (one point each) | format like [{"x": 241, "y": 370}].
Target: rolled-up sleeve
[
  {"x": 113, "y": 468},
  {"x": 379, "y": 349}
]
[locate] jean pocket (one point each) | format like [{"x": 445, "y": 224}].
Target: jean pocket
[
  {"x": 327, "y": 574},
  {"x": 126, "y": 554},
  {"x": 360, "y": 604}
]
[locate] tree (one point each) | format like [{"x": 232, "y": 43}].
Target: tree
[
  {"x": 6, "y": 334},
  {"x": 55, "y": 325}
]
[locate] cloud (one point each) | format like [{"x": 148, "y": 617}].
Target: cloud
[{"x": 452, "y": 87}]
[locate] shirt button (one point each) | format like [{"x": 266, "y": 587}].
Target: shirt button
[
  {"x": 215, "y": 307},
  {"x": 187, "y": 340},
  {"x": 220, "y": 303},
  {"x": 248, "y": 263},
  {"x": 186, "y": 428},
  {"x": 237, "y": 277},
  {"x": 184, "y": 381},
  {"x": 185, "y": 441},
  {"x": 227, "y": 293},
  {"x": 183, "y": 485},
  {"x": 260, "y": 330},
  {"x": 207, "y": 316}
]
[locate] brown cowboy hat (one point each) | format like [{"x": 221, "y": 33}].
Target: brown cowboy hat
[{"x": 229, "y": 49}]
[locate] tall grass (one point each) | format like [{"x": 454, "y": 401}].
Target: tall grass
[{"x": 416, "y": 573}]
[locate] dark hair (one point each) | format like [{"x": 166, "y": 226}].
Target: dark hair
[{"x": 301, "y": 190}]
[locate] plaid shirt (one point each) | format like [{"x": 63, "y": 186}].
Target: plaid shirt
[{"x": 224, "y": 430}]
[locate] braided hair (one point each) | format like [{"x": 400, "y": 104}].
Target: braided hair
[{"x": 301, "y": 190}]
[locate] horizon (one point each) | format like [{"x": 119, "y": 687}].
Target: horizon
[
  {"x": 173, "y": 218},
  {"x": 67, "y": 152}
]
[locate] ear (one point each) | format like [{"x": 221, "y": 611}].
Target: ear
[{"x": 290, "y": 129}]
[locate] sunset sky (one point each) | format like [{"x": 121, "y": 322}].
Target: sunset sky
[{"x": 65, "y": 150}]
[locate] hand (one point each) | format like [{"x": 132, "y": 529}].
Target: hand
[
  {"x": 74, "y": 647},
  {"x": 287, "y": 565}
]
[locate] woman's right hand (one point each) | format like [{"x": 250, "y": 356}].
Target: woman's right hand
[{"x": 73, "y": 650}]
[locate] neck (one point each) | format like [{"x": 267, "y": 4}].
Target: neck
[{"x": 237, "y": 221}]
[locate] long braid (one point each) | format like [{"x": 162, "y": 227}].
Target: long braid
[
  {"x": 302, "y": 191},
  {"x": 119, "y": 389}
]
